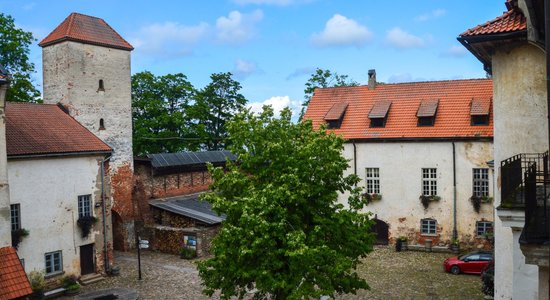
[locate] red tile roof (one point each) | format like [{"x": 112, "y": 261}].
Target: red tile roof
[
  {"x": 511, "y": 21},
  {"x": 336, "y": 111},
  {"x": 453, "y": 112},
  {"x": 86, "y": 29},
  {"x": 13, "y": 280},
  {"x": 36, "y": 129},
  {"x": 480, "y": 107}
]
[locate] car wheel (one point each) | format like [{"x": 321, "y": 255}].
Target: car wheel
[{"x": 455, "y": 270}]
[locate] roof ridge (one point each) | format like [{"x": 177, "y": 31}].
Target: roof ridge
[{"x": 408, "y": 82}]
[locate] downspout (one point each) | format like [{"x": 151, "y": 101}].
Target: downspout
[
  {"x": 546, "y": 47},
  {"x": 354, "y": 159},
  {"x": 455, "y": 233},
  {"x": 104, "y": 212}
]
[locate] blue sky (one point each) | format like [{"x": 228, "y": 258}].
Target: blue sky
[{"x": 273, "y": 45}]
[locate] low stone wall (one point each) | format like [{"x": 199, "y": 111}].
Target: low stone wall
[{"x": 171, "y": 239}]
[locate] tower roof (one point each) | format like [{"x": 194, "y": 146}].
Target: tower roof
[{"x": 86, "y": 29}]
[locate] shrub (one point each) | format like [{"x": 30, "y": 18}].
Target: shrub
[
  {"x": 36, "y": 278},
  {"x": 488, "y": 280},
  {"x": 476, "y": 203},
  {"x": 17, "y": 236},
  {"x": 188, "y": 253}
]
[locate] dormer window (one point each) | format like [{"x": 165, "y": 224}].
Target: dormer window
[
  {"x": 479, "y": 112},
  {"x": 101, "y": 87},
  {"x": 378, "y": 115},
  {"x": 426, "y": 112},
  {"x": 335, "y": 115}
]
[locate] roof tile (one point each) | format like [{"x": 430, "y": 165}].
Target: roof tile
[
  {"x": 480, "y": 107},
  {"x": 427, "y": 108},
  {"x": 453, "y": 112},
  {"x": 13, "y": 280},
  {"x": 86, "y": 29},
  {"x": 33, "y": 129},
  {"x": 511, "y": 21},
  {"x": 336, "y": 111}
]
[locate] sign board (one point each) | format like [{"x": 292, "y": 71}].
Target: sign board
[
  {"x": 143, "y": 242},
  {"x": 143, "y": 246}
]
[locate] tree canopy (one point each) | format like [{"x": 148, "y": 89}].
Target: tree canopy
[
  {"x": 14, "y": 57},
  {"x": 214, "y": 105},
  {"x": 285, "y": 234},
  {"x": 161, "y": 123},
  {"x": 323, "y": 79}
]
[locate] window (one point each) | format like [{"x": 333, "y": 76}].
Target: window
[
  {"x": 335, "y": 115},
  {"x": 427, "y": 111},
  {"x": 379, "y": 113},
  {"x": 334, "y": 124},
  {"x": 54, "y": 263},
  {"x": 377, "y": 122},
  {"x": 426, "y": 121},
  {"x": 84, "y": 206},
  {"x": 15, "y": 213},
  {"x": 373, "y": 180},
  {"x": 429, "y": 181},
  {"x": 428, "y": 226},
  {"x": 483, "y": 227},
  {"x": 101, "y": 124},
  {"x": 101, "y": 87},
  {"x": 480, "y": 120},
  {"x": 481, "y": 182}
]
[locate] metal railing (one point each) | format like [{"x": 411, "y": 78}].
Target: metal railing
[{"x": 525, "y": 185}]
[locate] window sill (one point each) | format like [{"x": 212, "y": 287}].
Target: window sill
[
  {"x": 53, "y": 275},
  {"x": 429, "y": 234}
]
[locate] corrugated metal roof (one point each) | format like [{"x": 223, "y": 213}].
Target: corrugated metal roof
[
  {"x": 189, "y": 206},
  {"x": 164, "y": 160}
]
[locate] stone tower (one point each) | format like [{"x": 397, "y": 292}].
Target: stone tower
[{"x": 86, "y": 67}]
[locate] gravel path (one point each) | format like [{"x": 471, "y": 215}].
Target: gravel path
[{"x": 391, "y": 275}]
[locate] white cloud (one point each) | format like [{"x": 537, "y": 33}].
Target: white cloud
[
  {"x": 237, "y": 27},
  {"x": 277, "y": 103},
  {"x": 168, "y": 38},
  {"x": 456, "y": 51},
  {"x": 436, "y": 13},
  {"x": 301, "y": 72},
  {"x": 341, "y": 31},
  {"x": 398, "y": 38},
  {"x": 244, "y": 68}
]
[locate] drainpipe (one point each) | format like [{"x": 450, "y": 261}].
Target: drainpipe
[
  {"x": 546, "y": 47},
  {"x": 455, "y": 233},
  {"x": 104, "y": 212},
  {"x": 354, "y": 160}
]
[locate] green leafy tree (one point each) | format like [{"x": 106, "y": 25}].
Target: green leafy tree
[
  {"x": 286, "y": 236},
  {"x": 323, "y": 79},
  {"x": 14, "y": 57},
  {"x": 159, "y": 113},
  {"x": 214, "y": 106}
]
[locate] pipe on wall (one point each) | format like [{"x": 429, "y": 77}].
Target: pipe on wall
[
  {"x": 455, "y": 233},
  {"x": 104, "y": 213}
]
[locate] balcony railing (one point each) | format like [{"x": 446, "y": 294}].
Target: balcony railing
[{"x": 525, "y": 185}]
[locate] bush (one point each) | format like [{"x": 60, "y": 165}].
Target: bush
[
  {"x": 37, "y": 281},
  {"x": 17, "y": 236},
  {"x": 488, "y": 279},
  {"x": 188, "y": 253}
]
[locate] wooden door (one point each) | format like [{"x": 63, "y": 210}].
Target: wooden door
[{"x": 87, "y": 265}]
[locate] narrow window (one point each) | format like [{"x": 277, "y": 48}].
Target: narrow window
[
  {"x": 428, "y": 226},
  {"x": 481, "y": 182},
  {"x": 372, "y": 180},
  {"x": 84, "y": 206},
  {"x": 15, "y": 213},
  {"x": 101, "y": 87},
  {"x": 335, "y": 115},
  {"x": 378, "y": 115},
  {"x": 479, "y": 111},
  {"x": 426, "y": 112},
  {"x": 429, "y": 181},
  {"x": 101, "y": 124},
  {"x": 54, "y": 263},
  {"x": 483, "y": 227}
]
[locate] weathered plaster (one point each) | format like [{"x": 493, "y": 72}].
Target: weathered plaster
[
  {"x": 401, "y": 182},
  {"x": 5, "y": 219},
  {"x": 521, "y": 126}
]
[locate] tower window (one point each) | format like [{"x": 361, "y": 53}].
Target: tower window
[
  {"x": 101, "y": 86},
  {"x": 101, "y": 124}
]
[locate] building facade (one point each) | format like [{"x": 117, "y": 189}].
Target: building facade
[
  {"x": 512, "y": 49},
  {"x": 422, "y": 151},
  {"x": 87, "y": 69}
]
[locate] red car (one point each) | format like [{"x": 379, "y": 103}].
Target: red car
[{"x": 471, "y": 263}]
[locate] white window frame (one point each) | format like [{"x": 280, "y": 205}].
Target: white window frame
[
  {"x": 483, "y": 227},
  {"x": 15, "y": 216},
  {"x": 372, "y": 180},
  {"x": 84, "y": 206},
  {"x": 480, "y": 182},
  {"x": 428, "y": 227},
  {"x": 53, "y": 262},
  {"x": 429, "y": 181}
]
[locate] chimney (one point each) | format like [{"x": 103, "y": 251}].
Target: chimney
[{"x": 372, "y": 79}]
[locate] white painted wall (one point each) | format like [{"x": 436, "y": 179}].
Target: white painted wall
[
  {"x": 521, "y": 126},
  {"x": 5, "y": 219},
  {"x": 47, "y": 190},
  {"x": 401, "y": 166}
]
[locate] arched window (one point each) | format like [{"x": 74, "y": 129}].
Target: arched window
[
  {"x": 101, "y": 124},
  {"x": 101, "y": 86}
]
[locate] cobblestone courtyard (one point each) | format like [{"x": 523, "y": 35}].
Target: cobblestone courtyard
[{"x": 391, "y": 275}]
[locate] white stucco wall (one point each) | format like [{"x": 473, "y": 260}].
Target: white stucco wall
[
  {"x": 521, "y": 126},
  {"x": 47, "y": 190},
  {"x": 401, "y": 166},
  {"x": 5, "y": 220}
]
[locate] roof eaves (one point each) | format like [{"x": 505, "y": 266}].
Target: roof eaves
[{"x": 60, "y": 154}]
